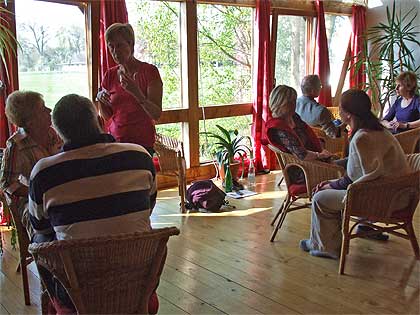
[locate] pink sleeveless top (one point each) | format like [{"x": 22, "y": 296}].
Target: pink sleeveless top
[{"x": 129, "y": 122}]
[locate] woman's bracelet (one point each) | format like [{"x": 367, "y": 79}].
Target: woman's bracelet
[{"x": 317, "y": 155}]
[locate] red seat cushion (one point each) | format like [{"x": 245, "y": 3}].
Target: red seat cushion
[
  {"x": 297, "y": 189},
  {"x": 156, "y": 163}
]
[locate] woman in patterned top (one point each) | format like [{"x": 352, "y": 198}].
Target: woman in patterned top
[
  {"x": 291, "y": 134},
  {"x": 33, "y": 140}
]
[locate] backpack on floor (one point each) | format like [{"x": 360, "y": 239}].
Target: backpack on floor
[{"x": 205, "y": 194}]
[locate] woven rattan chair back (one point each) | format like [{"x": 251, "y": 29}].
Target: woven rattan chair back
[
  {"x": 314, "y": 171},
  {"x": 170, "y": 152},
  {"x": 107, "y": 275},
  {"x": 25, "y": 257},
  {"x": 337, "y": 146},
  {"x": 409, "y": 140},
  {"x": 391, "y": 200},
  {"x": 414, "y": 161}
]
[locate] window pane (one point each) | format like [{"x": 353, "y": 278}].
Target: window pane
[
  {"x": 53, "y": 56},
  {"x": 224, "y": 41},
  {"x": 170, "y": 130},
  {"x": 156, "y": 26},
  {"x": 207, "y": 150},
  {"x": 290, "y": 51},
  {"x": 338, "y": 34}
]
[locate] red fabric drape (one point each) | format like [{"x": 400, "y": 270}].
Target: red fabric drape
[
  {"x": 10, "y": 82},
  {"x": 358, "y": 26},
  {"x": 111, "y": 11},
  {"x": 322, "y": 63},
  {"x": 262, "y": 84}
]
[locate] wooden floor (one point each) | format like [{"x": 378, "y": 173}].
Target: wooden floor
[{"x": 223, "y": 263}]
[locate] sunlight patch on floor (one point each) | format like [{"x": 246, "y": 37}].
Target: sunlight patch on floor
[{"x": 233, "y": 213}]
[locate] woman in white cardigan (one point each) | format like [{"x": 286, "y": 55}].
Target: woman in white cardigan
[{"x": 374, "y": 152}]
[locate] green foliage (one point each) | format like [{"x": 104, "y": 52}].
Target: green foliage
[
  {"x": 228, "y": 144},
  {"x": 157, "y": 31},
  {"x": 390, "y": 53},
  {"x": 7, "y": 39},
  {"x": 224, "y": 40},
  {"x": 39, "y": 54}
]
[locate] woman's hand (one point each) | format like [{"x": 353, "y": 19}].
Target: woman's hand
[
  {"x": 104, "y": 97},
  {"x": 129, "y": 83},
  {"x": 324, "y": 154},
  {"x": 321, "y": 186},
  {"x": 398, "y": 125}
]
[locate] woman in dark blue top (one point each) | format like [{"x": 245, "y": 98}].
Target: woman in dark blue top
[{"x": 405, "y": 112}]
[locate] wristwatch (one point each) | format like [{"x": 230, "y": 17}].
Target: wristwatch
[{"x": 407, "y": 126}]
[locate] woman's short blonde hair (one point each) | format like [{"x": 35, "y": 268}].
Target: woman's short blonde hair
[
  {"x": 20, "y": 106},
  {"x": 120, "y": 30},
  {"x": 409, "y": 80},
  {"x": 282, "y": 99}
]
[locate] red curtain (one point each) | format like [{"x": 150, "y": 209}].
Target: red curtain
[
  {"x": 262, "y": 84},
  {"x": 322, "y": 63},
  {"x": 111, "y": 11},
  {"x": 7, "y": 77},
  {"x": 358, "y": 25}
]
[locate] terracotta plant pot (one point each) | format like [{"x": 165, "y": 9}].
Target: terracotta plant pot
[{"x": 234, "y": 168}]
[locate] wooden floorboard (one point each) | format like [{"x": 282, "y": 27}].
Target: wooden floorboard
[{"x": 223, "y": 263}]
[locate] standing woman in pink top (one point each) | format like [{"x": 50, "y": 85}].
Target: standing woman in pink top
[{"x": 131, "y": 95}]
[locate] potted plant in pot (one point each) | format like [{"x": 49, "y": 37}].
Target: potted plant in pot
[{"x": 228, "y": 145}]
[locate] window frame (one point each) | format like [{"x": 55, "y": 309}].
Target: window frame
[{"x": 190, "y": 114}]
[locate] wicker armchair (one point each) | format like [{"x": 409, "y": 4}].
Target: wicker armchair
[
  {"x": 315, "y": 172},
  {"x": 391, "y": 200},
  {"x": 23, "y": 239},
  {"x": 337, "y": 146},
  {"x": 170, "y": 152},
  {"x": 107, "y": 275},
  {"x": 408, "y": 140},
  {"x": 335, "y": 111}
]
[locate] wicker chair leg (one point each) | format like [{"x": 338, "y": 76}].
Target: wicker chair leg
[
  {"x": 345, "y": 244},
  {"x": 181, "y": 192},
  {"x": 413, "y": 240},
  {"x": 281, "y": 219},
  {"x": 44, "y": 301},
  {"x": 280, "y": 209},
  {"x": 24, "y": 271}
]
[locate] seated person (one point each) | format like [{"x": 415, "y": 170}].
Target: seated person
[
  {"x": 313, "y": 113},
  {"x": 289, "y": 133},
  {"x": 374, "y": 153},
  {"x": 112, "y": 183},
  {"x": 34, "y": 139},
  {"x": 404, "y": 114}
]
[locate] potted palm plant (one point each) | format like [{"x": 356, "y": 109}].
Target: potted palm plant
[
  {"x": 228, "y": 145},
  {"x": 388, "y": 51}
]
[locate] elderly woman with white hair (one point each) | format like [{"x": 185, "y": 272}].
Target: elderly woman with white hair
[
  {"x": 288, "y": 132},
  {"x": 33, "y": 140}
]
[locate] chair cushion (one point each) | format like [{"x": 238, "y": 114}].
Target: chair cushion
[
  {"x": 156, "y": 163},
  {"x": 297, "y": 189}
]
